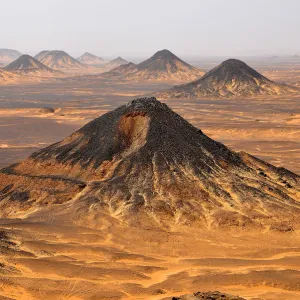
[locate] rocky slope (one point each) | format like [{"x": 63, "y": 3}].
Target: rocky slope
[
  {"x": 163, "y": 65},
  {"x": 26, "y": 64},
  {"x": 145, "y": 165},
  {"x": 60, "y": 60},
  {"x": 232, "y": 78},
  {"x": 90, "y": 59},
  {"x": 8, "y": 55}
]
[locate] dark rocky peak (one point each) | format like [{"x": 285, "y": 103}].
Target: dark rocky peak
[{"x": 234, "y": 69}]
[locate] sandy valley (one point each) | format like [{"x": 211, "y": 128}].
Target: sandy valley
[{"x": 48, "y": 260}]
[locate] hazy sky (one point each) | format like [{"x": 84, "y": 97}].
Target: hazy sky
[{"x": 140, "y": 27}]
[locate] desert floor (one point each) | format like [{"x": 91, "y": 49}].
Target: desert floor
[
  {"x": 49, "y": 260},
  {"x": 55, "y": 259}
]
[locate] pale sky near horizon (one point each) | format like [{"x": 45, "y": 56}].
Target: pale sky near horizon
[{"x": 139, "y": 27}]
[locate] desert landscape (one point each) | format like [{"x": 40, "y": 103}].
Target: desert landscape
[
  {"x": 266, "y": 127},
  {"x": 159, "y": 176}
]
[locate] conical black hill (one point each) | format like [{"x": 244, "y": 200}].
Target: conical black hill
[
  {"x": 232, "y": 78},
  {"x": 146, "y": 165}
]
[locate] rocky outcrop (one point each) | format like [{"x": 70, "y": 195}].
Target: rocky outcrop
[{"x": 208, "y": 296}]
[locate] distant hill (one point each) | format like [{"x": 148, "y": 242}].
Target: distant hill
[
  {"x": 41, "y": 54},
  {"x": 90, "y": 59},
  {"x": 8, "y": 55},
  {"x": 60, "y": 60},
  {"x": 163, "y": 65},
  {"x": 232, "y": 78},
  {"x": 122, "y": 70},
  {"x": 27, "y": 64},
  {"x": 116, "y": 63}
]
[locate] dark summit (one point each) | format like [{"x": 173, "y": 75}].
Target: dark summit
[
  {"x": 163, "y": 65},
  {"x": 230, "y": 79},
  {"x": 27, "y": 64},
  {"x": 234, "y": 69}
]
